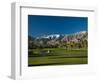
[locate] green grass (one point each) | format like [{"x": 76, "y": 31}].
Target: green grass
[{"x": 58, "y": 56}]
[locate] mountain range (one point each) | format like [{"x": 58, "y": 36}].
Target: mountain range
[{"x": 58, "y": 39}]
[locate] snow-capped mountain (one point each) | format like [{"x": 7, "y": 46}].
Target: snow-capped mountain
[
  {"x": 81, "y": 32},
  {"x": 51, "y": 36},
  {"x": 62, "y": 36}
]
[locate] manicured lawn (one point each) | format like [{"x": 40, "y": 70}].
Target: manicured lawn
[{"x": 57, "y": 56}]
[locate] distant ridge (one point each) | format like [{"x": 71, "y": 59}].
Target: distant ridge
[{"x": 59, "y": 35}]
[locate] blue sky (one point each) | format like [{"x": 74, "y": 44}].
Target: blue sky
[{"x": 40, "y": 25}]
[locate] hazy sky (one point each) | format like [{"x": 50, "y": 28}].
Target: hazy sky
[{"x": 40, "y": 25}]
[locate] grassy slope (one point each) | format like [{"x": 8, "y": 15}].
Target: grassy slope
[{"x": 58, "y": 56}]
